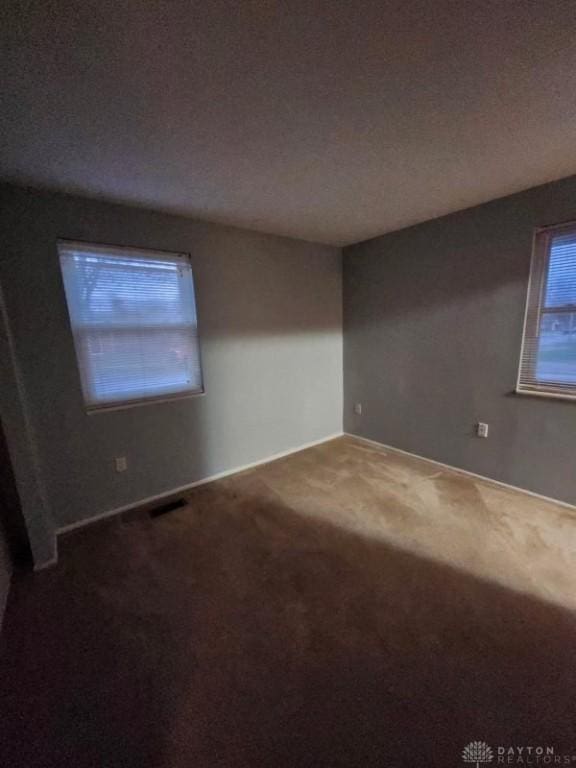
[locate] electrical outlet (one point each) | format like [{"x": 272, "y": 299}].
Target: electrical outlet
[
  {"x": 358, "y": 409},
  {"x": 121, "y": 463},
  {"x": 482, "y": 429}
]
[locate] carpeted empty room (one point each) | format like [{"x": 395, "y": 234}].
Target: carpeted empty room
[{"x": 287, "y": 384}]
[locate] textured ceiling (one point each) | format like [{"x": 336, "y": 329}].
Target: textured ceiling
[{"x": 323, "y": 119}]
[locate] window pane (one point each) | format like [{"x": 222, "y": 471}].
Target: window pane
[
  {"x": 122, "y": 292},
  {"x": 556, "y": 359},
  {"x": 133, "y": 316},
  {"x": 134, "y": 365},
  {"x": 561, "y": 282}
]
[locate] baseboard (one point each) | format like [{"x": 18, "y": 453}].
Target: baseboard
[
  {"x": 461, "y": 471},
  {"x": 46, "y": 559},
  {"x": 41, "y": 566},
  {"x": 183, "y": 488}
]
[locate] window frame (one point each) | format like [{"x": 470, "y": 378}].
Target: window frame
[
  {"x": 534, "y": 310},
  {"x": 141, "y": 253}
]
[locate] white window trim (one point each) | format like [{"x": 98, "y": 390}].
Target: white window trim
[
  {"x": 537, "y": 283},
  {"x": 91, "y": 410},
  {"x": 95, "y": 410}
]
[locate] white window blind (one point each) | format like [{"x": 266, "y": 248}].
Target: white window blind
[
  {"x": 133, "y": 317},
  {"x": 548, "y": 359}
]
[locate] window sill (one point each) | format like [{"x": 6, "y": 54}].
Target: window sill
[
  {"x": 547, "y": 395},
  {"x": 138, "y": 403}
]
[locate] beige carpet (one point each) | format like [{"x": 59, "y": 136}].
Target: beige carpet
[{"x": 340, "y": 607}]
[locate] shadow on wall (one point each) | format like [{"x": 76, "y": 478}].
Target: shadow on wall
[
  {"x": 236, "y": 632},
  {"x": 23, "y": 510},
  {"x": 443, "y": 262},
  {"x": 12, "y": 524},
  {"x": 433, "y": 322}
]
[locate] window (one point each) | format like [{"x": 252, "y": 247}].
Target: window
[
  {"x": 133, "y": 317},
  {"x": 548, "y": 360}
]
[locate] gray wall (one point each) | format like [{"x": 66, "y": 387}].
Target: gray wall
[
  {"x": 433, "y": 321},
  {"x": 271, "y": 327},
  {"x": 20, "y": 489}
]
